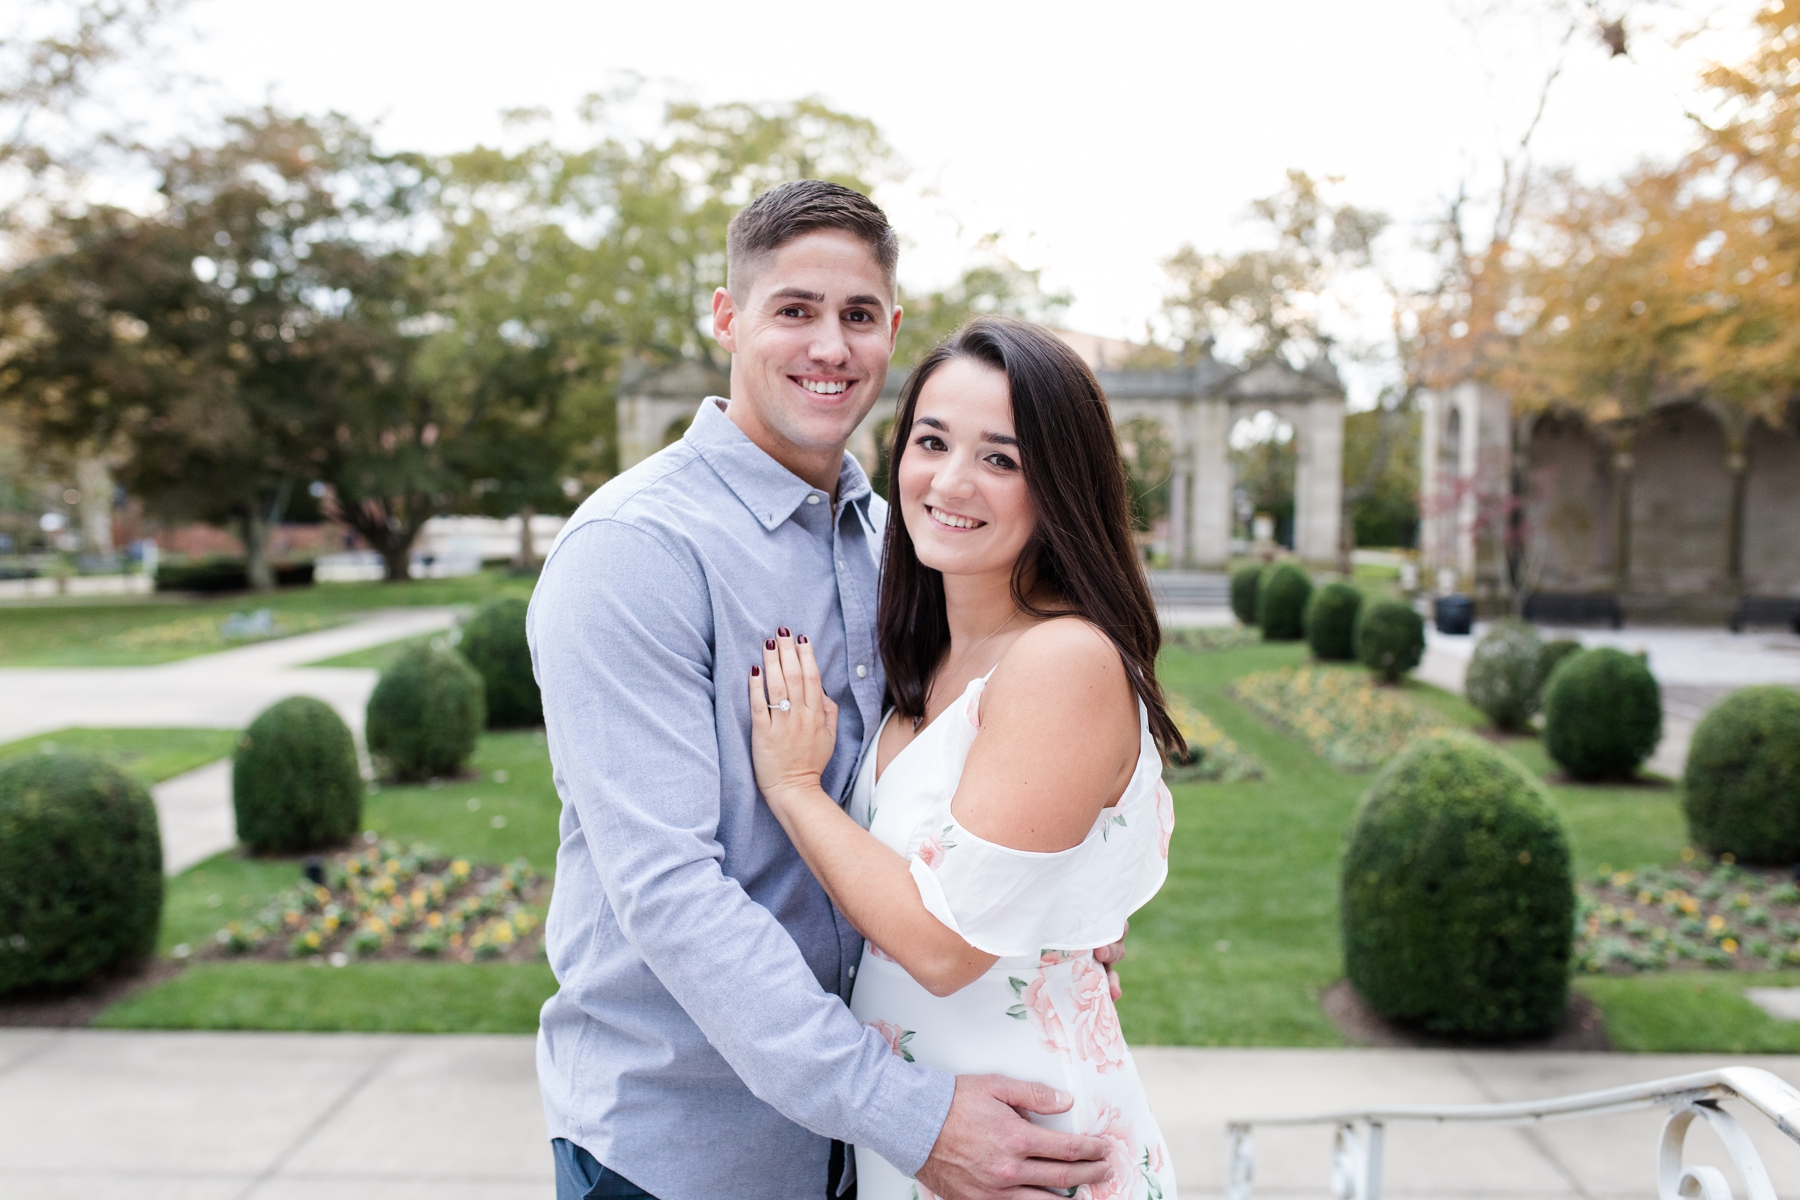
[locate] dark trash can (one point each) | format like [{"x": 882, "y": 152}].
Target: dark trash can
[{"x": 1453, "y": 614}]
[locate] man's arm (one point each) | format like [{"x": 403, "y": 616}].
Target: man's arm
[{"x": 620, "y": 635}]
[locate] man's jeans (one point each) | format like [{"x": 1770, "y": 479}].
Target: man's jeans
[{"x": 579, "y": 1175}]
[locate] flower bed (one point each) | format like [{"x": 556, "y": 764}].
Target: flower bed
[
  {"x": 386, "y": 902},
  {"x": 1346, "y": 719},
  {"x": 1698, "y": 914},
  {"x": 214, "y": 633},
  {"x": 1205, "y": 640},
  {"x": 1214, "y": 757}
]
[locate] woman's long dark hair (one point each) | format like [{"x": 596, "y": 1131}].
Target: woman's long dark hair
[{"x": 1082, "y": 550}]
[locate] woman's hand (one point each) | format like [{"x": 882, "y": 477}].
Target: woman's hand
[{"x": 793, "y": 723}]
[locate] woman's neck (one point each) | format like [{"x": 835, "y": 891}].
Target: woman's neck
[{"x": 975, "y": 606}]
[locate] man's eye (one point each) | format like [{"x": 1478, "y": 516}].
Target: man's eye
[
  {"x": 858, "y": 316},
  {"x": 791, "y": 311}
]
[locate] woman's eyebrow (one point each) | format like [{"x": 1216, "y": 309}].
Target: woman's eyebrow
[
  {"x": 933, "y": 422},
  {"x": 999, "y": 439}
]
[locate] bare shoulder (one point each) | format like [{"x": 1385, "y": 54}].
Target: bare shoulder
[{"x": 1062, "y": 663}]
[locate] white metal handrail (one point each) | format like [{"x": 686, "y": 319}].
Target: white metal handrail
[{"x": 1356, "y": 1152}]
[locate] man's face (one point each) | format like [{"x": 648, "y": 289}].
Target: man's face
[{"x": 809, "y": 345}]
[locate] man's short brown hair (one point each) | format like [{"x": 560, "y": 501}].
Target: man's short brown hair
[{"x": 791, "y": 210}]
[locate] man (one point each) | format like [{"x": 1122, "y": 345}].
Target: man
[{"x": 699, "y": 1047}]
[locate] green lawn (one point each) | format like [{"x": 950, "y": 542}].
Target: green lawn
[
  {"x": 511, "y": 819},
  {"x": 141, "y": 630},
  {"x": 378, "y": 658},
  {"x": 151, "y": 755}
]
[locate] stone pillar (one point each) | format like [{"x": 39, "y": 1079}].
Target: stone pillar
[
  {"x": 1622, "y": 464},
  {"x": 95, "y": 484},
  {"x": 1737, "y": 464},
  {"x": 1319, "y": 481},
  {"x": 1179, "y": 553},
  {"x": 1209, "y": 501},
  {"x": 1430, "y": 468}
]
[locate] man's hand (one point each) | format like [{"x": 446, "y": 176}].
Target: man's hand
[
  {"x": 1109, "y": 957},
  {"x": 988, "y": 1151}
]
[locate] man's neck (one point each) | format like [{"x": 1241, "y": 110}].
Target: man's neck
[{"x": 820, "y": 468}]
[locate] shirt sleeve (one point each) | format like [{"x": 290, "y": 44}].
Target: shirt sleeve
[{"x": 621, "y": 640}]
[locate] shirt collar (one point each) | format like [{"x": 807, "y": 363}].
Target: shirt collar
[{"x": 769, "y": 490}]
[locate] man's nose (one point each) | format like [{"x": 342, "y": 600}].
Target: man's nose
[{"x": 828, "y": 344}]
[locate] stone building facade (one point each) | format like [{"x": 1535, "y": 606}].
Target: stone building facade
[{"x": 1689, "y": 513}]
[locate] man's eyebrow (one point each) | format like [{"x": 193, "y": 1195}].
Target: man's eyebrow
[
  {"x": 797, "y": 293},
  {"x": 867, "y": 300}
]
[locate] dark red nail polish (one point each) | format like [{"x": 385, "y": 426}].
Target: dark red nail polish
[
  {"x": 755, "y": 671},
  {"x": 782, "y": 632},
  {"x": 769, "y": 644},
  {"x": 802, "y": 639}
]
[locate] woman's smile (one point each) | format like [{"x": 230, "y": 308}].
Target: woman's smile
[{"x": 950, "y": 520}]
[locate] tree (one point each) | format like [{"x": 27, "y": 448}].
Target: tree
[
  {"x": 992, "y": 284},
  {"x": 1272, "y": 299}
]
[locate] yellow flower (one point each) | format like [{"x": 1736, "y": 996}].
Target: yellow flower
[
  {"x": 1715, "y": 922},
  {"x": 1729, "y": 945}
]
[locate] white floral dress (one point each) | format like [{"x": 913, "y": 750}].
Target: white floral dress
[{"x": 1043, "y": 1013}]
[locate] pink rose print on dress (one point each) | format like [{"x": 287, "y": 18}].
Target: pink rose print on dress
[
  {"x": 921, "y": 1192},
  {"x": 1036, "y": 1006},
  {"x": 974, "y": 710},
  {"x": 1165, "y": 815},
  {"x": 1098, "y": 1038},
  {"x": 1106, "y": 1122},
  {"x": 931, "y": 850},
  {"x": 878, "y": 952},
  {"x": 895, "y": 1037}
]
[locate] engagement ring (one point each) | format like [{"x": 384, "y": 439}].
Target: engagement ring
[{"x": 783, "y": 706}]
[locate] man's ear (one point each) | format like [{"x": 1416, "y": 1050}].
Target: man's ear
[
  {"x": 725, "y": 321},
  {"x": 894, "y": 330}
]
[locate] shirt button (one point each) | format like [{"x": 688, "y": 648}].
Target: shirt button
[
  {"x": 861, "y": 671},
  {"x": 812, "y": 498},
  {"x": 853, "y": 970}
]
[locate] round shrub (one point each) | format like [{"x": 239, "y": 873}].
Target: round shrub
[
  {"x": 1503, "y": 679},
  {"x": 81, "y": 885},
  {"x": 426, "y": 713},
  {"x": 1244, "y": 585},
  {"x": 1281, "y": 603},
  {"x": 1550, "y": 657},
  {"x": 295, "y": 783},
  {"x": 1743, "y": 777},
  {"x": 1458, "y": 901},
  {"x": 1331, "y": 621},
  {"x": 1602, "y": 714},
  {"x": 494, "y": 643},
  {"x": 1390, "y": 638}
]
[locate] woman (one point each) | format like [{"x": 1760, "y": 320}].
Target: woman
[{"x": 1009, "y": 814}]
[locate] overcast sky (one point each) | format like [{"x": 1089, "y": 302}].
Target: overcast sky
[{"x": 1097, "y": 138}]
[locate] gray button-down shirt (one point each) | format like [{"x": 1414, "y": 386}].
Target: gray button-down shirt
[{"x": 700, "y": 1030}]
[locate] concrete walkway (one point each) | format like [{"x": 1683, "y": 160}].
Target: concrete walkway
[
  {"x": 217, "y": 691},
  {"x": 1696, "y": 668},
  {"x": 258, "y": 1116}
]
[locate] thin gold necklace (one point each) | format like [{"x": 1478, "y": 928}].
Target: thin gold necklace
[{"x": 920, "y": 719}]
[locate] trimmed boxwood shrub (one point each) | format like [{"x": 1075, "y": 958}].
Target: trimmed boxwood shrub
[
  {"x": 1743, "y": 777},
  {"x": 1281, "y": 603},
  {"x": 494, "y": 643},
  {"x": 1331, "y": 621},
  {"x": 1549, "y": 658},
  {"x": 295, "y": 782},
  {"x": 426, "y": 714},
  {"x": 1458, "y": 901},
  {"x": 81, "y": 884},
  {"x": 1503, "y": 679},
  {"x": 1602, "y": 714},
  {"x": 1390, "y": 638},
  {"x": 1244, "y": 586}
]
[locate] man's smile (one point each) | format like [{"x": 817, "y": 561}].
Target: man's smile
[{"x": 822, "y": 387}]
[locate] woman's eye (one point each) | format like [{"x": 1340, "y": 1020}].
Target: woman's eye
[
  {"x": 930, "y": 441},
  {"x": 1003, "y": 462}
]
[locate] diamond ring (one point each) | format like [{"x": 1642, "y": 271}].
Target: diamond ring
[{"x": 782, "y": 707}]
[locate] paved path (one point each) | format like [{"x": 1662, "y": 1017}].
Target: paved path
[
  {"x": 220, "y": 691},
  {"x": 195, "y": 814},
  {"x": 258, "y": 1116},
  {"x": 1696, "y": 668}
]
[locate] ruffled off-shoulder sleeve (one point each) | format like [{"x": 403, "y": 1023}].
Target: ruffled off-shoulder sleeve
[{"x": 1010, "y": 902}]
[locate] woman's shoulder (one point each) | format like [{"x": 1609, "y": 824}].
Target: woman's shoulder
[{"x": 1065, "y": 644}]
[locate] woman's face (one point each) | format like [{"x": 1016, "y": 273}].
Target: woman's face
[{"x": 961, "y": 484}]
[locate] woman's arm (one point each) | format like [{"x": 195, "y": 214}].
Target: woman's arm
[
  {"x": 871, "y": 885},
  {"x": 1059, "y": 741}
]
